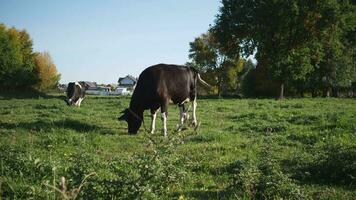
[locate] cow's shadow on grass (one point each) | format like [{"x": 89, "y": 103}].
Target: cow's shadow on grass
[{"x": 50, "y": 126}]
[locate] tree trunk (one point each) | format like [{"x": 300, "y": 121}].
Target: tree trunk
[
  {"x": 281, "y": 92},
  {"x": 302, "y": 93},
  {"x": 219, "y": 86},
  {"x": 314, "y": 93},
  {"x": 335, "y": 92},
  {"x": 326, "y": 92}
]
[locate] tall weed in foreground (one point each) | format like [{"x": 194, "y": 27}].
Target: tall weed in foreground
[{"x": 68, "y": 194}]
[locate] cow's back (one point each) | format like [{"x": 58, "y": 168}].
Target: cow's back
[{"x": 161, "y": 82}]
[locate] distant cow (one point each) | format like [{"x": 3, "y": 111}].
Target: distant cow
[
  {"x": 76, "y": 93},
  {"x": 157, "y": 86}
]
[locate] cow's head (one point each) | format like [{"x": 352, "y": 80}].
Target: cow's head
[
  {"x": 74, "y": 91},
  {"x": 133, "y": 120}
]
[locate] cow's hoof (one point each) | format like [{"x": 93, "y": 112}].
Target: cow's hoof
[
  {"x": 164, "y": 131},
  {"x": 179, "y": 127},
  {"x": 196, "y": 127}
]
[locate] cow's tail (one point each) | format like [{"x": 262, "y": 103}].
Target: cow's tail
[
  {"x": 203, "y": 82},
  {"x": 198, "y": 77}
]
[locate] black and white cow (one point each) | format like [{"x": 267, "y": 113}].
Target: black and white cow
[
  {"x": 157, "y": 86},
  {"x": 76, "y": 93}
]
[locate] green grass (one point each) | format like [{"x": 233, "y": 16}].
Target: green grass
[{"x": 242, "y": 148}]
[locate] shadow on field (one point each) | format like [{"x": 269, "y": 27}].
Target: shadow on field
[
  {"x": 42, "y": 125},
  {"x": 333, "y": 165},
  {"x": 7, "y": 95}
]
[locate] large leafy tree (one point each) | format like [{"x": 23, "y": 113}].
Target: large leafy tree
[
  {"x": 17, "y": 68},
  {"x": 46, "y": 72},
  {"x": 219, "y": 69},
  {"x": 286, "y": 34},
  {"x": 10, "y": 57},
  {"x": 337, "y": 68}
]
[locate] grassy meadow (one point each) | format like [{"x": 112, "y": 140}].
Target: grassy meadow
[{"x": 243, "y": 149}]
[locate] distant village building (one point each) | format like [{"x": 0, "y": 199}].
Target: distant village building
[
  {"x": 92, "y": 85},
  {"x": 96, "y": 89},
  {"x": 128, "y": 82}
]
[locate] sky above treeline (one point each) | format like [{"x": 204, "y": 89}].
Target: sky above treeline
[{"x": 103, "y": 40}]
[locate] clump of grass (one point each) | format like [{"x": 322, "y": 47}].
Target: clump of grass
[
  {"x": 154, "y": 173},
  {"x": 263, "y": 178}
]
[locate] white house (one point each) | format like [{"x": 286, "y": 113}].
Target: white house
[{"x": 128, "y": 82}]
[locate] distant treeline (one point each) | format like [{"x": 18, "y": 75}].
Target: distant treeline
[
  {"x": 300, "y": 47},
  {"x": 20, "y": 67}
]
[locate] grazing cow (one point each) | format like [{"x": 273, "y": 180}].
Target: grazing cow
[
  {"x": 157, "y": 86},
  {"x": 76, "y": 93}
]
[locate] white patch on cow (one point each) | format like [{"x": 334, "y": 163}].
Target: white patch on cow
[
  {"x": 153, "y": 122},
  {"x": 183, "y": 117},
  {"x": 185, "y": 101},
  {"x": 164, "y": 121},
  {"x": 78, "y": 102},
  {"x": 76, "y": 83},
  {"x": 194, "y": 104}
]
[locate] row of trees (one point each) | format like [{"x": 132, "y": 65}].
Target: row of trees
[
  {"x": 20, "y": 66},
  {"x": 300, "y": 46}
]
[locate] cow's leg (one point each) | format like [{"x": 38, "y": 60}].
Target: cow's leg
[
  {"x": 153, "y": 120},
  {"x": 80, "y": 101},
  {"x": 164, "y": 118},
  {"x": 194, "y": 105},
  {"x": 77, "y": 102},
  {"x": 183, "y": 116}
]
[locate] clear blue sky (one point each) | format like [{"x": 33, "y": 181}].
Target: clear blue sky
[{"x": 103, "y": 40}]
